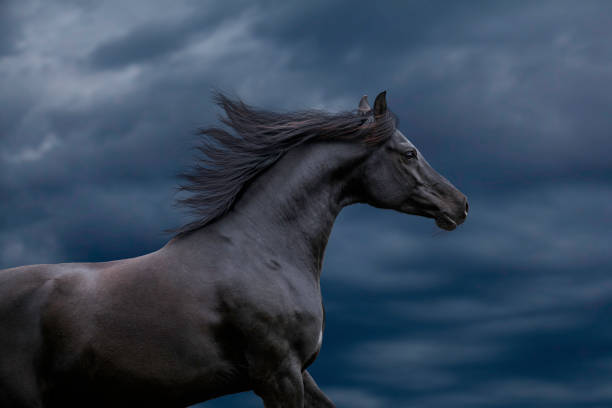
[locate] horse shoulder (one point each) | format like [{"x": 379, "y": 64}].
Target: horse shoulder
[{"x": 277, "y": 307}]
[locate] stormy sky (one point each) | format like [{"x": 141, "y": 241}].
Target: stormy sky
[{"x": 511, "y": 101}]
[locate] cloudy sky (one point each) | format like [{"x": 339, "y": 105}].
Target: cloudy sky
[{"x": 511, "y": 101}]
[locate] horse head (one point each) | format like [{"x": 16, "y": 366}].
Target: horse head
[{"x": 397, "y": 176}]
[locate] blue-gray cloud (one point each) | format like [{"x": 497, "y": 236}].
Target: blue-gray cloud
[{"x": 508, "y": 100}]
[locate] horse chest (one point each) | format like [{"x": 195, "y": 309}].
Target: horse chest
[
  {"x": 285, "y": 326},
  {"x": 275, "y": 306},
  {"x": 302, "y": 336}
]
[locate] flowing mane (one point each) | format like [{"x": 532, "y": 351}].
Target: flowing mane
[{"x": 228, "y": 161}]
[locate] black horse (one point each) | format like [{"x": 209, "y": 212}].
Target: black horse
[{"x": 233, "y": 301}]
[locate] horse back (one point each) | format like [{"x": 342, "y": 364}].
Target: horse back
[
  {"x": 38, "y": 304},
  {"x": 23, "y": 294}
]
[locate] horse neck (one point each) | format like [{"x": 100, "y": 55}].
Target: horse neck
[{"x": 291, "y": 208}]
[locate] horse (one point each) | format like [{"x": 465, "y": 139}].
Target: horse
[{"x": 232, "y": 302}]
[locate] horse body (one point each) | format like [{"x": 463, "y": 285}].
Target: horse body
[
  {"x": 93, "y": 328},
  {"x": 183, "y": 324},
  {"x": 230, "y": 307},
  {"x": 178, "y": 333}
]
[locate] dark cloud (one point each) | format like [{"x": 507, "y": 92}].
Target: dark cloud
[
  {"x": 152, "y": 41},
  {"x": 141, "y": 45},
  {"x": 9, "y": 29},
  {"x": 509, "y": 100}
]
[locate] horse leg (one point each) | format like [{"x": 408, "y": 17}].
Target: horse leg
[
  {"x": 313, "y": 396},
  {"x": 280, "y": 388}
]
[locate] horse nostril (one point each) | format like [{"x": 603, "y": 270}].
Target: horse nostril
[{"x": 467, "y": 207}]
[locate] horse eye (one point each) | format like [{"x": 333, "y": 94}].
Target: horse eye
[{"x": 410, "y": 154}]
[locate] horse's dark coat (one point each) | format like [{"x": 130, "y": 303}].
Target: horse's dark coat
[{"x": 228, "y": 305}]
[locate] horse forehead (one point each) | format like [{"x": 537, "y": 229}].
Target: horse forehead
[{"x": 403, "y": 139}]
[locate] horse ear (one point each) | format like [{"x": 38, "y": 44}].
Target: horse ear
[
  {"x": 364, "y": 106},
  {"x": 380, "y": 104}
]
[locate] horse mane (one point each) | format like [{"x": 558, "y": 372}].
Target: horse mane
[{"x": 228, "y": 161}]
